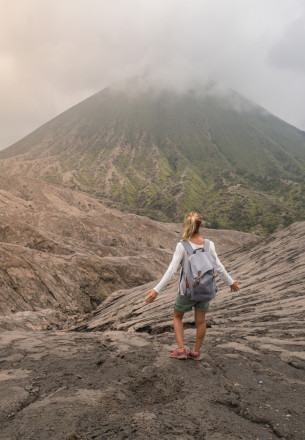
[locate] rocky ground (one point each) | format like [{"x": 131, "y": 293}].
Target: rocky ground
[
  {"x": 116, "y": 385},
  {"x": 107, "y": 374}
]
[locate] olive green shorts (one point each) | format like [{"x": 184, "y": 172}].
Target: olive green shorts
[{"x": 183, "y": 304}]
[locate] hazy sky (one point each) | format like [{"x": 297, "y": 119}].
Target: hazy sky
[{"x": 55, "y": 53}]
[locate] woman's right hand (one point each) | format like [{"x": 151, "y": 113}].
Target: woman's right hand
[{"x": 151, "y": 295}]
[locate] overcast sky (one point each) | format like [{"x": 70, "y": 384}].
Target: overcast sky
[{"x": 55, "y": 53}]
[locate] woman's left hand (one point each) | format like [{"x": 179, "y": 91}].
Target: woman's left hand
[
  {"x": 151, "y": 295},
  {"x": 234, "y": 286}
]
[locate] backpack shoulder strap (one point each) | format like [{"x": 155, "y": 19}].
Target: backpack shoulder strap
[
  {"x": 187, "y": 247},
  {"x": 206, "y": 245}
]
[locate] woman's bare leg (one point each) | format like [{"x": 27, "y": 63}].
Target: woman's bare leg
[
  {"x": 178, "y": 326},
  {"x": 200, "y": 328}
]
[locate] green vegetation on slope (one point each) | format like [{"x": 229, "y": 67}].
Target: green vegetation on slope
[{"x": 162, "y": 154}]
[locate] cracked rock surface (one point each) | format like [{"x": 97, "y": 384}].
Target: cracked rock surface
[{"x": 121, "y": 385}]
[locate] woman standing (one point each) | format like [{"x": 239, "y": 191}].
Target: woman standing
[{"x": 192, "y": 223}]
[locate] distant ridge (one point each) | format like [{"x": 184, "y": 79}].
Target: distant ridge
[
  {"x": 162, "y": 153},
  {"x": 64, "y": 251}
]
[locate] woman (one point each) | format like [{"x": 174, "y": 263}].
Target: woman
[{"x": 192, "y": 223}]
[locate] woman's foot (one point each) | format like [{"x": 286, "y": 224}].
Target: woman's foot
[
  {"x": 195, "y": 355},
  {"x": 179, "y": 353}
]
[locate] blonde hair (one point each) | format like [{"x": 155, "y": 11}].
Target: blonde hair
[{"x": 192, "y": 222}]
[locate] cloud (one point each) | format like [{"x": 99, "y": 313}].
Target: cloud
[
  {"x": 289, "y": 52},
  {"x": 54, "y": 54}
]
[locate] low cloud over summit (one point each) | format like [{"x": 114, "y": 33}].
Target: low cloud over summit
[{"x": 53, "y": 55}]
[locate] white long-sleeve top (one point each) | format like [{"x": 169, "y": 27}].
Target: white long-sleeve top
[{"x": 181, "y": 257}]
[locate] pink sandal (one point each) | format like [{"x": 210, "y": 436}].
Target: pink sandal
[
  {"x": 179, "y": 353},
  {"x": 195, "y": 355}
]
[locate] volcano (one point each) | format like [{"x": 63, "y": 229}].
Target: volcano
[{"x": 161, "y": 153}]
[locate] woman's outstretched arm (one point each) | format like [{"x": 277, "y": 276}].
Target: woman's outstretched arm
[
  {"x": 221, "y": 271},
  {"x": 171, "y": 270}
]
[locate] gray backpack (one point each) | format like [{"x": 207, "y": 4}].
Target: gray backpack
[{"x": 198, "y": 284}]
